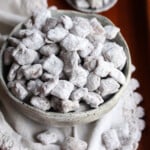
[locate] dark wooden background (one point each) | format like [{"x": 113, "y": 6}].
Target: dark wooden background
[{"x": 132, "y": 18}]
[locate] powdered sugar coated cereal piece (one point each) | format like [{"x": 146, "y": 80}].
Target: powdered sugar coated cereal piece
[
  {"x": 47, "y": 87},
  {"x": 93, "y": 99},
  {"x": 81, "y": 27},
  {"x": 49, "y": 49},
  {"x": 116, "y": 55},
  {"x": 118, "y": 76},
  {"x": 57, "y": 34},
  {"x": 12, "y": 72},
  {"x": 19, "y": 91},
  {"x": 93, "y": 82},
  {"x": 68, "y": 106},
  {"x": 70, "y": 59},
  {"x": 66, "y": 21},
  {"x": 34, "y": 86},
  {"x": 63, "y": 89},
  {"x": 90, "y": 63},
  {"x": 96, "y": 3},
  {"x": 103, "y": 68},
  {"x": 108, "y": 86},
  {"x": 79, "y": 76},
  {"x": 97, "y": 26},
  {"x": 40, "y": 103},
  {"x": 111, "y": 31},
  {"x": 82, "y": 3},
  {"x": 53, "y": 65},
  {"x": 78, "y": 94},
  {"x": 85, "y": 52},
  {"x": 40, "y": 16},
  {"x": 35, "y": 41},
  {"x": 33, "y": 71},
  {"x": 71, "y": 143},
  {"x": 24, "y": 56},
  {"x": 47, "y": 137}
]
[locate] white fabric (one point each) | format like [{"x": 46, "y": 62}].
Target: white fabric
[{"x": 19, "y": 132}]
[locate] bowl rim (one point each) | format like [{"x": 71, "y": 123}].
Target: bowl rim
[
  {"x": 71, "y": 117},
  {"x": 89, "y": 10}
]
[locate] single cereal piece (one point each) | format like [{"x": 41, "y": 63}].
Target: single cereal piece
[
  {"x": 93, "y": 82},
  {"x": 68, "y": 106},
  {"x": 64, "y": 105},
  {"x": 111, "y": 31},
  {"x": 34, "y": 86},
  {"x": 20, "y": 74},
  {"x": 53, "y": 65},
  {"x": 33, "y": 72},
  {"x": 110, "y": 139},
  {"x": 93, "y": 99},
  {"x": 24, "y": 56},
  {"x": 50, "y": 24},
  {"x": 96, "y": 38},
  {"x": 82, "y": 3},
  {"x": 97, "y": 27},
  {"x": 47, "y": 87},
  {"x": 35, "y": 41},
  {"x": 74, "y": 43},
  {"x": 81, "y": 27},
  {"x": 103, "y": 68},
  {"x": 78, "y": 94},
  {"x": 19, "y": 90},
  {"x": 49, "y": 49},
  {"x": 40, "y": 103},
  {"x": 72, "y": 143},
  {"x": 109, "y": 86},
  {"x": 47, "y": 137},
  {"x": 90, "y": 63},
  {"x": 63, "y": 89},
  {"x": 57, "y": 34},
  {"x": 40, "y": 17},
  {"x": 115, "y": 54},
  {"x": 66, "y": 21},
  {"x": 118, "y": 76},
  {"x": 70, "y": 59},
  {"x": 12, "y": 72},
  {"x": 8, "y": 55},
  {"x": 96, "y": 3},
  {"x": 79, "y": 76}
]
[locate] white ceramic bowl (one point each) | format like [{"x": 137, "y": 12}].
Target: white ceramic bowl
[
  {"x": 72, "y": 118},
  {"x": 90, "y": 10}
]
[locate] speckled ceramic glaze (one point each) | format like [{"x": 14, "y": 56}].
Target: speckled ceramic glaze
[
  {"x": 72, "y": 118},
  {"x": 90, "y": 10}
]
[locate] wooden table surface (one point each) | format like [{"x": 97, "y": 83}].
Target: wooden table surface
[{"x": 132, "y": 18}]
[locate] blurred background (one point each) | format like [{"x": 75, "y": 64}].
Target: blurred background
[{"x": 133, "y": 18}]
